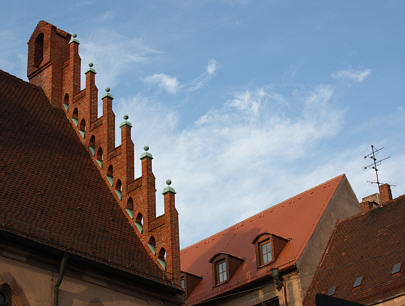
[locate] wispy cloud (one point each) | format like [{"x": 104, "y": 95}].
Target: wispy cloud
[
  {"x": 354, "y": 75},
  {"x": 113, "y": 54},
  {"x": 172, "y": 85},
  {"x": 201, "y": 80},
  {"x": 230, "y": 152},
  {"x": 166, "y": 82}
]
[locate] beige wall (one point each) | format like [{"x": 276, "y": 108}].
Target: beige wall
[
  {"x": 33, "y": 285},
  {"x": 265, "y": 291},
  {"x": 398, "y": 301},
  {"x": 343, "y": 204}
]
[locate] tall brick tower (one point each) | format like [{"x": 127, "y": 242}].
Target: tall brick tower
[{"x": 54, "y": 65}]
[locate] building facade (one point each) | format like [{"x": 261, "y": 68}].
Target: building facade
[
  {"x": 76, "y": 227},
  {"x": 269, "y": 258},
  {"x": 364, "y": 259}
]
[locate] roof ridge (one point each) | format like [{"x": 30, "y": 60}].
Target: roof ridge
[
  {"x": 17, "y": 79},
  {"x": 260, "y": 212}
]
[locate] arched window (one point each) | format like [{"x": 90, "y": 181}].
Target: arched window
[
  {"x": 130, "y": 208},
  {"x": 152, "y": 245},
  {"x": 162, "y": 258},
  {"x": 92, "y": 145},
  {"x": 139, "y": 222},
  {"x": 100, "y": 157},
  {"x": 110, "y": 175},
  {"x": 66, "y": 102},
  {"x": 82, "y": 128},
  {"x": 118, "y": 189},
  {"x": 39, "y": 50},
  {"x": 75, "y": 117}
]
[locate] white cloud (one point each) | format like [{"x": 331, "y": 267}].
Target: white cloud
[
  {"x": 202, "y": 79},
  {"x": 211, "y": 67},
  {"x": 236, "y": 159},
  {"x": 113, "y": 54},
  {"x": 170, "y": 84},
  {"x": 352, "y": 74}
]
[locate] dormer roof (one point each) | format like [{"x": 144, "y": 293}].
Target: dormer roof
[{"x": 292, "y": 221}]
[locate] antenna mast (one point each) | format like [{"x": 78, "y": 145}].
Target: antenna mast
[{"x": 375, "y": 163}]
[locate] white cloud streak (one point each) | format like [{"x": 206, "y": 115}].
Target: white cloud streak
[
  {"x": 166, "y": 82},
  {"x": 201, "y": 80},
  {"x": 354, "y": 75},
  {"x": 172, "y": 85}
]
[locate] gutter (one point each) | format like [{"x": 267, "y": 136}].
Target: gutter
[{"x": 60, "y": 278}]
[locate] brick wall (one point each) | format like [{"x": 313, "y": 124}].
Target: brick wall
[{"x": 58, "y": 73}]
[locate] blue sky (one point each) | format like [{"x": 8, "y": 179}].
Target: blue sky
[{"x": 243, "y": 103}]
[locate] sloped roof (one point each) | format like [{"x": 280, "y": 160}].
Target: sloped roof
[
  {"x": 366, "y": 245},
  {"x": 294, "y": 219},
  {"x": 52, "y": 193}
]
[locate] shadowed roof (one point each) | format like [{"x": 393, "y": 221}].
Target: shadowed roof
[
  {"x": 367, "y": 245},
  {"x": 51, "y": 191},
  {"x": 294, "y": 219}
]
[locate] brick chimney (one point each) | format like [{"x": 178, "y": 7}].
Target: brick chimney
[
  {"x": 385, "y": 193},
  {"x": 54, "y": 64}
]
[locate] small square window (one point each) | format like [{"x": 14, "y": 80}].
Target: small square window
[
  {"x": 221, "y": 272},
  {"x": 265, "y": 252},
  {"x": 358, "y": 281},
  {"x": 396, "y": 268},
  {"x": 332, "y": 290}
]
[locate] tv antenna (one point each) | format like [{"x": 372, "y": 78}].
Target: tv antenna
[{"x": 375, "y": 163}]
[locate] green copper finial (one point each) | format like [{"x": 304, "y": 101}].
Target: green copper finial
[
  {"x": 146, "y": 154},
  {"x": 125, "y": 122},
  {"x": 168, "y": 188},
  {"x": 91, "y": 69},
  {"x": 74, "y": 39},
  {"x": 107, "y": 93}
]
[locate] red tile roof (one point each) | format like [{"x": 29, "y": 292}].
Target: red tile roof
[
  {"x": 367, "y": 245},
  {"x": 294, "y": 219},
  {"x": 52, "y": 193}
]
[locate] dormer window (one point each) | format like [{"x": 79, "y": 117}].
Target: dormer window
[
  {"x": 224, "y": 267},
  {"x": 221, "y": 272},
  {"x": 265, "y": 252},
  {"x": 268, "y": 247}
]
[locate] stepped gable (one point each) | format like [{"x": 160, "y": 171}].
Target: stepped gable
[
  {"x": 294, "y": 219},
  {"x": 54, "y": 65},
  {"x": 52, "y": 192},
  {"x": 367, "y": 245}
]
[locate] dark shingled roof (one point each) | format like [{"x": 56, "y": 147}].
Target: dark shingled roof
[
  {"x": 52, "y": 193},
  {"x": 367, "y": 245}
]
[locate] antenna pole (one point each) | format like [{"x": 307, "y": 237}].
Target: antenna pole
[{"x": 375, "y": 164}]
